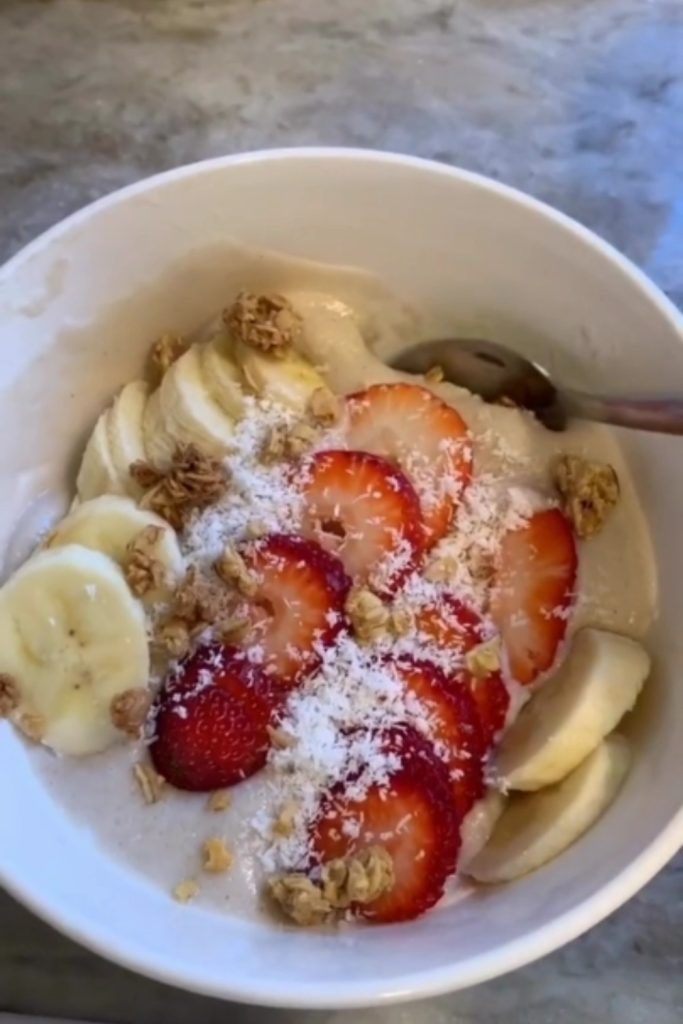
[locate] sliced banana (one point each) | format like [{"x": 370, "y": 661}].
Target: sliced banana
[
  {"x": 72, "y": 638},
  {"x": 536, "y": 827},
  {"x": 98, "y": 473},
  {"x": 183, "y": 412},
  {"x": 570, "y": 714},
  {"x": 109, "y": 524},
  {"x": 288, "y": 379},
  {"x": 478, "y": 825},
  {"x": 221, "y": 376},
  {"x": 124, "y": 431}
]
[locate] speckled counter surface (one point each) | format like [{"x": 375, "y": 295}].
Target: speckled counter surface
[{"x": 579, "y": 102}]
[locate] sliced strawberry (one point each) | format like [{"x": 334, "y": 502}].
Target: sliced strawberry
[
  {"x": 452, "y": 625},
  {"x": 365, "y": 511},
  {"x": 428, "y": 439},
  {"x": 412, "y": 816},
  {"x": 298, "y": 607},
  {"x": 453, "y": 725},
  {"x": 211, "y": 721},
  {"x": 533, "y": 592}
]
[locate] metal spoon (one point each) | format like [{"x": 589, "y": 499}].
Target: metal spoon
[{"x": 500, "y": 375}]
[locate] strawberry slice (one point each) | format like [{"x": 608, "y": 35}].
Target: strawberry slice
[
  {"x": 412, "y": 816},
  {"x": 211, "y": 721},
  {"x": 428, "y": 439},
  {"x": 453, "y": 725},
  {"x": 298, "y": 607},
  {"x": 365, "y": 511},
  {"x": 533, "y": 592},
  {"x": 451, "y": 624},
  {"x": 454, "y": 626}
]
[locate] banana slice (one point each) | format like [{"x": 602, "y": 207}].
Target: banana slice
[
  {"x": 290, "y": 379},
  {"x": 570, "y": 714},
  {"x": 183, "y": 412},
  {"x": 536, "y": 827},
  {"x": 72, "y": 638},
  {"x": 478, "y": 825},
  {"x": 109, "y": 524},
  {"x": 124, "y": 431},
  {"x": 98, "y": 473},
  {"x": 221, "y": 376}
]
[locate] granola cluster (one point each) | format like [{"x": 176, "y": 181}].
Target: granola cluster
[
  {"x": 128, "y": 710},
  {"x": 264, "y": 322},
  {"x": 288, "y": 442},
  {"x": 232, "y": 570},
  {"x": 143, "y": 571},
  {"x": 192, "y": 482},
  {"x": 368, "y": 616},
  {"x": 199, "y": 603},
  {"x": 589, "y": 491},
  {"x": 165, "y": 351},
  {"x": 359, "y": 879}
]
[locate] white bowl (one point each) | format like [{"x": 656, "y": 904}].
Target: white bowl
[{"x": 474, "y": 254}]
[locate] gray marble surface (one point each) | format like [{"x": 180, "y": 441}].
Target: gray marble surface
[{"x": 579, "y": 102}]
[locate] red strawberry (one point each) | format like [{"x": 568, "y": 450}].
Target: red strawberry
[
  {"x": 427, "y": 438},
  {"x": 299, "y": 604},
  {"x": 456, "y": 627},
  {"x": 212, "y": 719},
  {"x": 451, "y": 624},
  {"x": 533, "y": 591},
  {"x": 412, "y": 816},
  {"x": 366, "y": 511},
  {"x": 453, "y": 724}
]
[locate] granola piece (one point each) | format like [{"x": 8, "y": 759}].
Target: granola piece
[
  {"x": 288, "y": 442},
  {"x": 233, "y": 630},
  {"x": 265, "y": 322},
  {"x": 146, "y": 475},
  {"x": 484, "y": 659},
  {"x": 149, "y": 781},
  {"x": 174, "y": 636},
  {"x": 9, "y": 695},
  {"x": 360, "y": 878},
  {"x": 32, "y": 725},
  {"x": 402, "y": 621},
  {"x": 300, "y": 899},
  {"x": 128, "y": 710},
  {"x": 440, "y": 570},
  {"x": 369, "y": 617},
  {"x": 142, "y": 570},
  {"x": 280, "y": 738},
  {"x": 324, "y": 407},
  {"x": 165, "y": 351},
  {"x": 217, "y": 858},
  {"x": 434, "y": 374},
  {"x": 232, "y": 569},
  {"x": 589, "y": 491},
  {"x": 186, "y": 891},
  {"x": 286, "y": 820},
  {"x": 192, "y": 482},
  {"x": 218, "y": 801}
]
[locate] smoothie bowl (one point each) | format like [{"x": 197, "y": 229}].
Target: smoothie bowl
[{"x": 324, "y": 685}]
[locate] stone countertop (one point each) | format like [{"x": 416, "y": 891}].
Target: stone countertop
[{"x": 579, "y": 102}]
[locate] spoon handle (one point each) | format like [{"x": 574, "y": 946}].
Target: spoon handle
[{"x": 664, "y": 415}]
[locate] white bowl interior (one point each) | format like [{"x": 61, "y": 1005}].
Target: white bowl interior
[{"x": 473, "y": 255}]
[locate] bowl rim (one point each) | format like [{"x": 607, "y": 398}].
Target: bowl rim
[{"x": 348, "y": 994}]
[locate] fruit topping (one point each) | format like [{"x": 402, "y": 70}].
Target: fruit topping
[
  {"x": 453, "y": 725},
  {"x": 429, "y": 440},
  {"x": 366, "y": 511},
  {"x": 533, "y": 592},
  {"x": 296, "y": 606},
  {"x": 212, "y": 719},
  {"x": 412, "y": 816}
]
